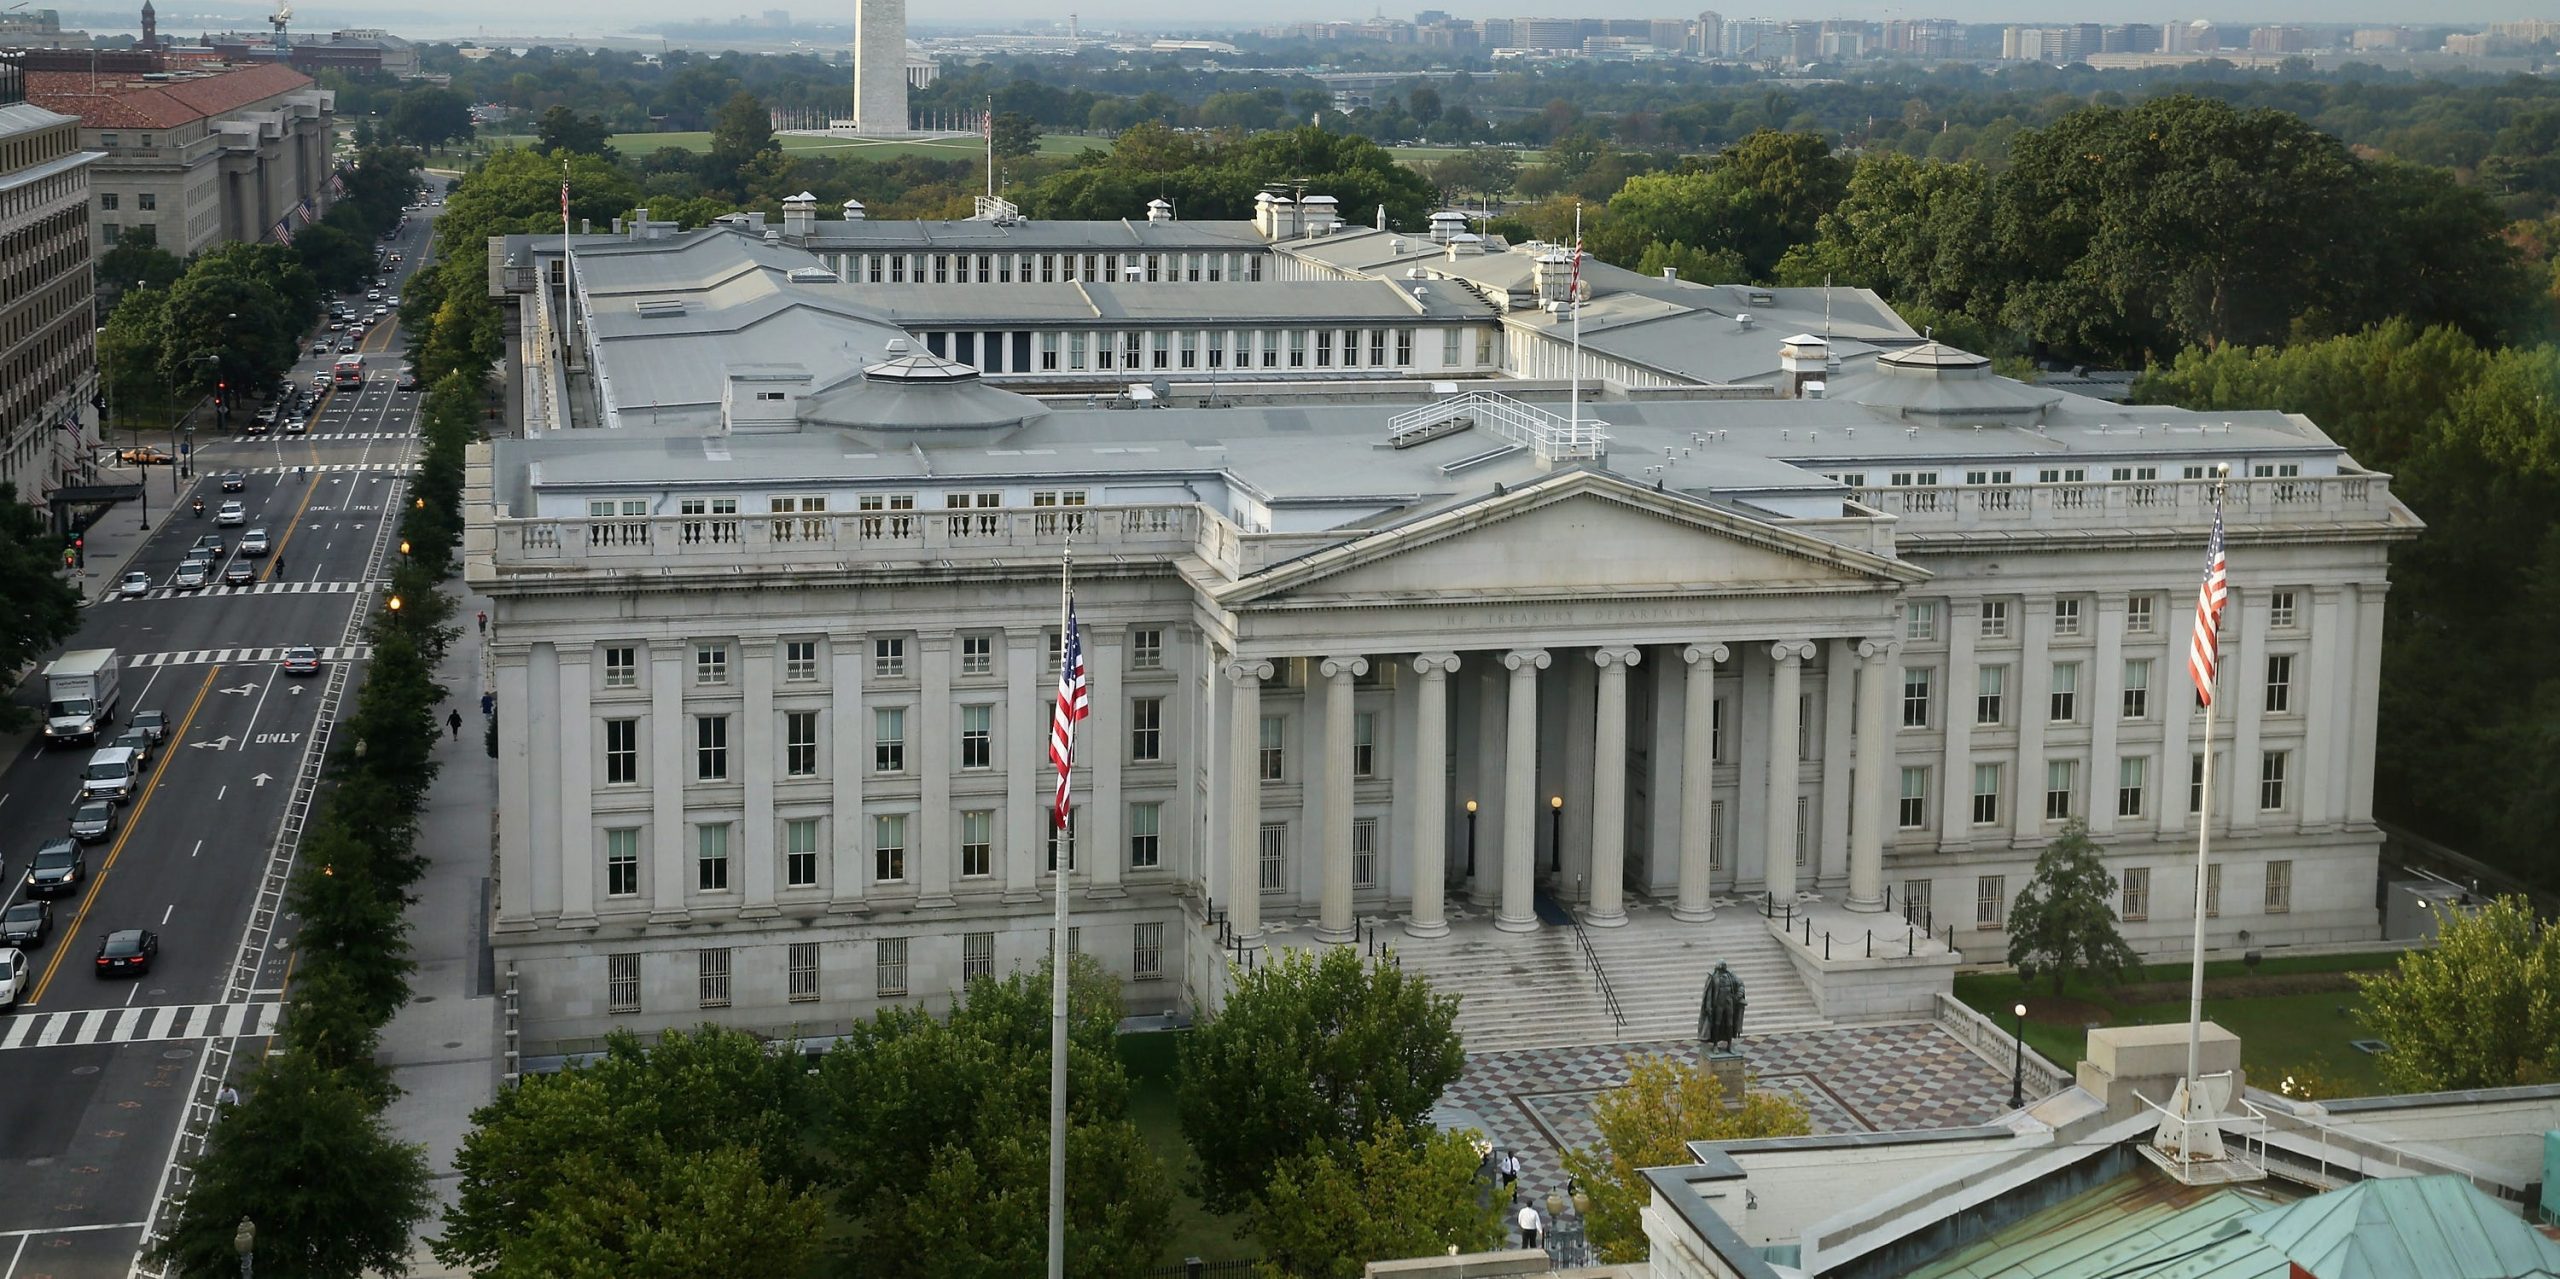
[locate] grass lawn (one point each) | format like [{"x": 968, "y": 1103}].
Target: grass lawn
[
  {"x": 2288, "y": 1015},
  {"x": 1194, "y": 1231}
]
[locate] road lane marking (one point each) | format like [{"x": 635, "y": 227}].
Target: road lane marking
[
  {"x": 289, "y": 525},
  {"x": 164, "y": 922},
  {"x": 132, "y": 821},
  {"x": 150, "y": 1023},
  {"x": 250, "y": 734}
]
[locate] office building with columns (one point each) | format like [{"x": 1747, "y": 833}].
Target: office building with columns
[
  {"x": 201, "y": 158},
  {"x": 1865, "y": 626}
]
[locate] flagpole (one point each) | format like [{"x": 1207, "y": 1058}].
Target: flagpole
[
  {"x": 1573, "y": 298},
  {"x": 2204, "y": 846},
  {"x": 563, "y": 324},
  {"x": 1058, "y": 953}
]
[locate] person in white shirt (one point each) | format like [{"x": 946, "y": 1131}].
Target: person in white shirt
[
  {"x": 1510, "y": 1170},
  {"x": 1528, "y": 1226}
]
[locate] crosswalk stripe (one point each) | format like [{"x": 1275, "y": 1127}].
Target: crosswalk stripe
[
  {"x": 257, "y": 588},
  {"x": 137, "y": 1025},
  {"x": 226, "y": 656}
]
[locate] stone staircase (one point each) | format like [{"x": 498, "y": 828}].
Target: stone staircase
[{"x": 1533, "y": 990}]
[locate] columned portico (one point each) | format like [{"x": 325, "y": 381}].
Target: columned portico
[
  {"x": 1519, "y": 912},
  {"x": 1697, "y": 784},
  {"x": 1786, "y": 684},
  {"x": 1335, "y": 923},
  {"x": 1876, "y": 661},
  {"x": 1244, "y": 796},
  {"x": 1606, "y": 907},
  {"x": 1429, "y": 917}
]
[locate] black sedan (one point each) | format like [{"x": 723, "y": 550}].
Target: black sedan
[
  {"x": 58, "y": 869},
  {"x": 239, "y": 574},
  {"x": 127, "y": 953},
  {"x": 234, "y": 481},
  {"x": 26, "y": 923},
  {"x": 93, "y": 820}
]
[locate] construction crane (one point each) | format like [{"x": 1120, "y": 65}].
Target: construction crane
[{"x": 283, "y": 15}]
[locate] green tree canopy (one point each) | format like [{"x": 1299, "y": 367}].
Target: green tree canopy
[
  {"x": 1311, "y": 1050},
  {"x": 565, "y": 129},
  {"x": 44, "y": 608},
  {"x": 2060, "y": 926},
  {"x": 2479, "y": 1009},
  {"x": 1218, "y": 178},
  {"x": 138, "y": 261},
  {"x": 1648, "y": 1122},
  {"x": 1330, "y": 1211},
  {"x": 427, "y": 115},
  {"x": 1015, "y": 135}
]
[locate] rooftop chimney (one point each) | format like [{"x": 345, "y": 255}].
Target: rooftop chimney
[
  {"x": 799, "y": 215},
  {"x": 1159, "y": 210},
  {"x": 1804, "y": 358},
  {"x": 853, "y": 210}
]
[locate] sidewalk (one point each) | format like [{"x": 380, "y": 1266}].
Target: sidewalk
[
  {"x": 442, "y": 1048},
  {"x": 117, "y": 535}
]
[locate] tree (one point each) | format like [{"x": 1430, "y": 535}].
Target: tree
[
  {"x": 305, "y": 1157},
  {"x": 1311, "y": 1050},
  {"x": 44, "y": 608},
  {"x": 138, "y": 261},
  {"x": 1014, "y": 135},
  {"x": 2061, "y": 927},
  {"x": 742, "y": 131},
  {"x": 2479, "y": 1009},
  {"x": 564, "y": 129},
  {"x": 1328, "y": 1212},
  {"x": 1648, "y": 1122},
  {"x": 427, "y": 115},
  {"x": 338, "y": 259}
]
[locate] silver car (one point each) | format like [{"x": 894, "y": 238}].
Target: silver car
[
  {"x": 254, "y": 542},
  {"x": 191, "y": 575}
]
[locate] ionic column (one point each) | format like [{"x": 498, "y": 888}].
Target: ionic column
[
  {"x": 1606, "y": 907},
  {"x": 1518, "y": 912},
  {"x": 1876, "y": 662},
  {"x": 1429, "y": 917},
  {"x": 1244, "y": 797},
  {"x": 1697, "y": 784},
  {"x": 1333, "y": 919},
  {"x": 1787, "y": 659}
]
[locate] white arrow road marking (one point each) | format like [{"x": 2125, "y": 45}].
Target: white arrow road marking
[
  {"x": 242, "y": 691},
  {"x": 222, "y": 743},
  {"x": 296, "y": 690},
  {"x": 262, "y": 779}
]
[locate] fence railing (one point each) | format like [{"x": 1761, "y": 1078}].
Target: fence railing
[
  {"x": 1599, "y": 974},
  {"x": 1998, "y": 1046}
]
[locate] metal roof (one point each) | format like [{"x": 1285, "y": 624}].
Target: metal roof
[{"x": 2439, "y": 1227}]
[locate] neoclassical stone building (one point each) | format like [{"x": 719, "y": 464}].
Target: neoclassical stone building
[{"x": 1870, "y": 624}]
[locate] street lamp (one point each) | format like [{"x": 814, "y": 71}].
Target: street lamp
[
  {"x": 394, "y": 605},
  {"x": 1555, "y": 835},
  {"x": 2018, "y": 1068},
  {"x": 245, "y": 1240},
  {"x": 1471, "y": 840}
]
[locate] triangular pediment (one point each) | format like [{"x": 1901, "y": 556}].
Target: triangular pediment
[{"x": 1579, "y": 535}]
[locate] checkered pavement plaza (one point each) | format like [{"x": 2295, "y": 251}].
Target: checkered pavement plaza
[{"x": 1853, "y": 1079}]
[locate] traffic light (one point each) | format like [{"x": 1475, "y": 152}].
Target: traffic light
[{"x": 80, "y": 550}]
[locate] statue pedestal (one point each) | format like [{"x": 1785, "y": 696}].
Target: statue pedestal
[{"x": 1725, "y": 1065}]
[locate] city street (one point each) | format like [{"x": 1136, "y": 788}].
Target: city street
[{"x": 102, "y": 1071}]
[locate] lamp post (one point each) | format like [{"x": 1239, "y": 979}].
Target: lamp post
[
  {"x": 1555, "y": 833},
  {"x": 2018, "y": 1068},
  {"x": 1471, "y": 841},
  {"x": 245, "y": 1240}
]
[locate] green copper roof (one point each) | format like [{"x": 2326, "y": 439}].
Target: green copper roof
[
  {"x": 2440, "y": 1227},
  {"x": 2140, "y": 1223}
]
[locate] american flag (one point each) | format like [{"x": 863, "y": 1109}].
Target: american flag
[
  {"x": 2210, "y": 597},
  {"x": 1071, "y": 707}
]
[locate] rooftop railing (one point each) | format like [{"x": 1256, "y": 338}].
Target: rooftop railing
[
  {"x": 735, "y": 540},
  {"x": 2106, "y": 505}
]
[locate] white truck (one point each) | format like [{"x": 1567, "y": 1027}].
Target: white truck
[{"x": 81, "y": 688}]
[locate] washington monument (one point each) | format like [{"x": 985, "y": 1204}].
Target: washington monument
[{"x": 880, "y": 66}]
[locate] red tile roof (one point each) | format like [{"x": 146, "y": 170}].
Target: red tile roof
[{"x": 127, "y": 101}]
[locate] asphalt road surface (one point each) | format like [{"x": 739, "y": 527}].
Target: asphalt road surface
[{"x": 98, "y": 1070}]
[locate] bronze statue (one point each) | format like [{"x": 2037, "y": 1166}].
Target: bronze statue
[{"x": 1720, "y": 1009}]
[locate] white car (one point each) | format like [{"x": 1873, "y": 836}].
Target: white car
[
  {"x": 230, "y": 515},
  {"x": 191, "y": 575},
  {"x": 135, "y": 585},
  {"x": 13, "y": 976}
]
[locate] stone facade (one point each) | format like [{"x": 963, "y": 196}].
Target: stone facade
[
  {"x": 200, "y": 158},
  {"x": 48, "y": 344}
]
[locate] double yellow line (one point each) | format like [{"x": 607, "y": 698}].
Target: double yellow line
[{"x": 71, "y": 932}]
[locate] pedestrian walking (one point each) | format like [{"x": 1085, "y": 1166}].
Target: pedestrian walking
[
  {"x": 229, "y": 1096},
  {"x": 1528, "y": 1226},
  {"x": 484, "y": 621},
  {"x": 1510, "y": 1171},
  {"x": 453, "y": 721},
  {"x": 488, "y": 703}
]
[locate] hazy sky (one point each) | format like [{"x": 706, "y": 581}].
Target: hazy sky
[{"x": 552, "y": 17}]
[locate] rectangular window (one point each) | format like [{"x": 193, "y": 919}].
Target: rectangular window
[
  {"x": 1146, "y": 952},
  {"x": 1274, "y": 849},
  {"x": 1270, "y": 349},
  {"x": 1914, "y": 812},
  {"x": 711, "y": 748},
  {"x": 2131, "y": 772},
  {"x": 2213, "y": 891},
  {"x": 1297, "y": 348},
  {"x": 2279, "y": 684},
  {"x": 1076, "y": 358},
  {"x": 711, "y": 663},
  {"x": 977, "y": 654},
  {"x": 1915, "y": 698},
  {"x": 621, "y": 752},
  {"x": 1991, "y": 683},
  {"x": 107, "y": 200},
  {"x": 2061, "y": 782},
  {"x": 2137, "y": 615},
  {"x": 1378, "y": 348},
  {"x": 977, "y": 736},
  {"x": 1364, "y": 744},
  {"x": 1449, "y": 348},
  {"x": 888, "y": 847},
  {"x": 1995, "y": 619},
  {"x": 799, "y": 661},
  {"x": 1404, "y": 348},
  {"x": 889, "y": 739},
  {"x": 977, "y": 844},
  {"x": 1804, "y": 829},
  {"x": 804, "y": 972},
  {"x": 1063, "y": 839},
  {"x": 2066, "y": 617},
  {"x": 1715, "y": 733},
  {"x": 1921, "y": 621},
  {"x": 888, "y": 659},
  {"x": 1217, "y": 346},
  {"x": 889, "y": 967},
  {"x": 800, "y": 744},
  {"x": 1274, "y": 753},
  {"x": 622, "y": 863},
  {"x": 2271, "y": 780},
  {"x": 1715, "y": 835},
  {"x": 2195, "y": 784},
  {"x": 621, "y": 666},
  {"x": 1159, "y": 345},
  {"x": 977, "y": 956},
  {"x": 1146, "y": 729},
  {"x": 1146, "y": 849},
  {"x": 2280, "y": 614},
  {"x": 2279, "y": 887},
  {"x": 711, "y": 857},
  {"x": 1986, "y": 794},
  {"x": 2063, "y": 703},
  {"x": 800, "y": 853},
  {"x": 1146, "y": 650},
  {"x": 622, "y": 982},
  {"x": 711, "y": 968},
  {"x": 1364, "y": 852},
  {"x": 2135, "y": 904},
  {"x": 2137, "y": 688},
  {"x": 1990, "y": 902}
]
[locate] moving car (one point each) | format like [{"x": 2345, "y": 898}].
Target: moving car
[
  {"x": 373, "y": 295},
  {"x": 155, "y": 723},
  {"x": 394, "y": 300},
  {"x": 234, "y": 481},
  {"x": 13, "y": 977},
  {"x": 58, "y": 869},
  {"x": 26, "y": 923},
  {"x": 191, "y": 576},
  {"x": 231, "y": 515},
  {"x": 336, "y": 323},
  {"x": 254, "y": 542},
  {"x": 127, "y": 952},
  {"x": 408, "y": 379},
  {"x": 93, "y": 820},
  {"x": 135, "y": 584},
  {"x": 321, "y": 347},
  {"x": 207, "y": 547},
  {"x": 144, "y": 455},
  {"x": 238, "y": 573},
  {"x": 346, "y": 348},
  {"x": 302, "y": 659},
  {"x": 137, "y": 741},
  {"x": 112, "y": 773},
  {"x": 320, "y": 381}
]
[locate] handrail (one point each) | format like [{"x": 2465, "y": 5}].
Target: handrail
[
  {"x": 1599, "y": 975},
  {"x": 2359, "y": 1155}
]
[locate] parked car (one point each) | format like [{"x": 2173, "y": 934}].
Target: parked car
[
  {"x": 191, "y": 575},
  {"x": 302, "y": 659},
  {"x": 26, "y": 923},
  {"x": 93, "y": 820},
  {"x": 58, "y": 869},
  {"x": 254, "y": 542},
  {"x": 234, "y": 481},
  {"x": 13, "y": 977},
  {"x": 155, "y": 723},
  {"x": 135, "y": 584},
  {"x": 238, "y": 573},
  {"x": 127, "y": 952}
]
